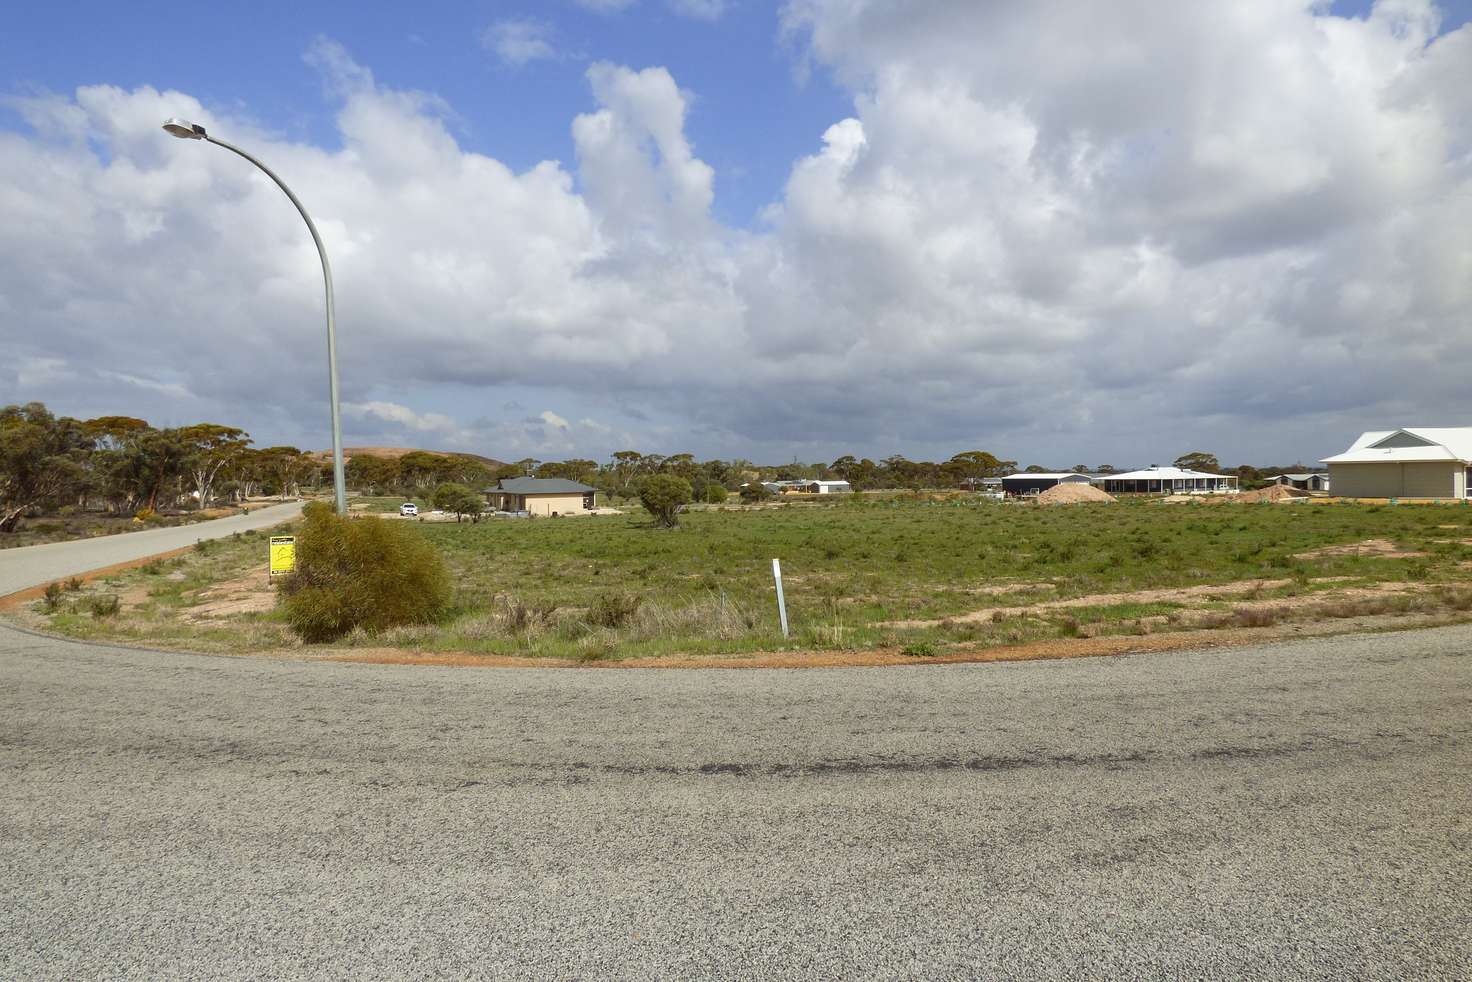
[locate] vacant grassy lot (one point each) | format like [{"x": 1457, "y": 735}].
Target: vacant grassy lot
[{"x": 925, "y": 574}]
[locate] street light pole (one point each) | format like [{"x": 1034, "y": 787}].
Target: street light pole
[{"x": 193, "y": 131}]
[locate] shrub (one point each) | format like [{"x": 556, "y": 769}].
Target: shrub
[
  {"x": 715, "y": 494},
  {"x": 522, "y": 617},
  {"x": 664, "y": 496},
  {"x": 106, "y": 605},
  {"x": 755, "y": 491},
  {"x": 1256, "y": 616},
  {"x": 459, "y": 500},
  {"x": 74, "y": 584},
  {"x": 919, "y": 649},
  {"x": 613, "y": 609},
  {"x": 1457, "y": 599},
  {"x": 52, "y": 596},
  {"x": 361, "y": 573}
]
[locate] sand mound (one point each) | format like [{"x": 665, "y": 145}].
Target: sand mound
[
  {"x": 1273, "y": 492},
  {"x": 1073, "y": 494}
]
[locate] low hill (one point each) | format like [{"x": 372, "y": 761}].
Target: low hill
[{"x": 394, "y": 453}]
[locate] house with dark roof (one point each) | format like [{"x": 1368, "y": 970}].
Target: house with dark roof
[
  {"x": 1306, "y": 481},
  {"x": 547, "y": 496}
]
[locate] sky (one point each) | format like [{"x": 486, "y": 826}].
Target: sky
[{"x": 1064, "y": 232}]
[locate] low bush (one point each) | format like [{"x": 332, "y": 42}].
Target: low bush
[
  {"x": 74, "y": 584},
  {"x": 1457, "y": 599},
  {"x": 1256, "y": 616},
  {"x": 613, "y": 609},
  {"x": 364, "y": 573},
  {"x": 52, "y": 597},
  {"x": 919, "y": 649},
  {"x": 105, "y": 605}
]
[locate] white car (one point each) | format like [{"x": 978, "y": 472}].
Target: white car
[{"x": 408, "y": 508}]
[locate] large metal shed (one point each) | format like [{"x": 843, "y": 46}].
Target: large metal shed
[{"x": 1021, "y": 484}]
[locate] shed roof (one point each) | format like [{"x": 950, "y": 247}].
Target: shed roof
[
  {"x": 1024, "y": 476},
  {"x": 1159, "y": 474},
  {"x": 540, "y": 485},
  {"x": 1429, "y": 443}
]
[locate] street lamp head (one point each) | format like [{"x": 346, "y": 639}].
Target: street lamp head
[{"x": 184, "y": 129}]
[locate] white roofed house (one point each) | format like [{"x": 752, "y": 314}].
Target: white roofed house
[
  {"x": 1166, "y": 480},
  {"x": 1420, "y": 462}
]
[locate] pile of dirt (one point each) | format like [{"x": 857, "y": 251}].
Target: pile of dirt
[
  {"x": 1273, "y": 492},
  {"x": 1073, "y": 493}
]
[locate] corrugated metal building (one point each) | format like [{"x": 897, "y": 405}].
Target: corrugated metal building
[
  {"x": 1019, "y": 484},
  {"x": 1425, "y": 462}
]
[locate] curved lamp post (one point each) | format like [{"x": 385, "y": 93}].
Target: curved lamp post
[{"x": 185, "y": 130}]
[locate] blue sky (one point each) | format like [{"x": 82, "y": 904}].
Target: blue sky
[
  {"x": 753, "y": 113},
  {"x": 885, "y": 230}
]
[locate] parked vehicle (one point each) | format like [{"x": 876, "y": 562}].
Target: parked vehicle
[{"x": 408, "y": 508}]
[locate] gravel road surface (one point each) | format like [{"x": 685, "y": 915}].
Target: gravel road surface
[
  {"x": 30, "y": 566},
  {"x": 1293, "y": 810}
]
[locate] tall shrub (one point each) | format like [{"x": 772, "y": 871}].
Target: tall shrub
[
  {"x": 664, "y": 496},
  {"x": 364, "y": 572}
]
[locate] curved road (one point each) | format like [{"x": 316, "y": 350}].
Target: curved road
[
  {"x": 1294, "y": 810},
  {"x": 30, "y": 566}
]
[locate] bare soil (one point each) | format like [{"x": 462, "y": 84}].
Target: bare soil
[
  {"x": 1074, "y": 494},
  {"x": 1272, "y": 493},
  {"x": 249, "y": 594},
  {"x": 1381, "y": 548},
  {"x": 1175, "y": 595}
]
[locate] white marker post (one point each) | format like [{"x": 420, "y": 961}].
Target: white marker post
[{"x": 781, "y": 604}]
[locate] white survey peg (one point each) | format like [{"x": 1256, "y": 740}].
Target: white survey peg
[{"x": 781, "y": 604}]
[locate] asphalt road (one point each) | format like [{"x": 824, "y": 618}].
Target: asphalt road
[
  {"x": 30, "y": 566},
  {"x": 1295, "y": 810}
]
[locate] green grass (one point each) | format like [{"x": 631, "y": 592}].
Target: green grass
[
  {"x": 386, "y": 505},
  {"x": 546, "y": 586}
]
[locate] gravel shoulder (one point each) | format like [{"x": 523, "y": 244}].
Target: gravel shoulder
[{"x": 1288, "y": 810}]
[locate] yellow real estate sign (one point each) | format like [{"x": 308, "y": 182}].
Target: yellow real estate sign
[{"x": 283, "y": 555}]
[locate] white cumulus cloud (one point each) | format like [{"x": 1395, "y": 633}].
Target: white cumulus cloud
[
  {"x": 1049, "y": 230},
  {"x": 518, "y": 41}
]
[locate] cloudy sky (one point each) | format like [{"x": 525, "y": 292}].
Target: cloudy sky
[{"x": 1065, "y": 232}]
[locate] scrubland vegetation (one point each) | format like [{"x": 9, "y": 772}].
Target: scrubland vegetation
[{"x": 922, "y": 573}]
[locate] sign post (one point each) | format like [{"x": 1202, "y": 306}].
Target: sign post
[
  {"x": 283, "y": 555},
  {"x": 781, "y": 604}
]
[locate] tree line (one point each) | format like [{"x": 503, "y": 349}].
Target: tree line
[{"x": 123, "y": 465}]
